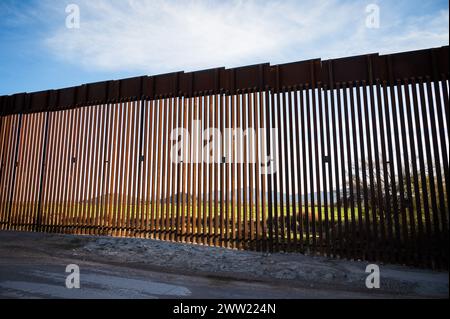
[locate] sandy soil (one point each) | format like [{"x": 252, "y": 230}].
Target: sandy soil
[{"x": 32, "y": 265}]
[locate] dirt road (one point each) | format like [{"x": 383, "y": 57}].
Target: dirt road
[{"x": 33, "y": 265}]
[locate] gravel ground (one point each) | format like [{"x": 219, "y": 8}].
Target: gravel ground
[{"x": 296, "y": 270}]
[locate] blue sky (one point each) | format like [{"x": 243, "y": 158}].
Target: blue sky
[{"x": 123, "y": 38}]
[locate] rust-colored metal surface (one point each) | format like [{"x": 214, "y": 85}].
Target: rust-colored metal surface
[{"x": 344, "y": 158}]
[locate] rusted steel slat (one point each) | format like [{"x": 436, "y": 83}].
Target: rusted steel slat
[
  {"x": 87, "y": 168},
  {"x": 245, "y": 182},
  {"x": 227, "y": 155},
  {"x": 64, "y": 174},
  {"x": 345, "y": 236},
  {"x": 337, "y": 244},
  {"x": 436, "y": 88},
  {"x": 434, "y": 214},
  {"x": 385, "y": 162},
  {"x": 76, "y": 162},
  {"x": 170, "y": 188},
  {"x": 26, "y": 201},
  {"x": 399, "y": 204},
  {"x": 93, "y": 165},
  {"x": 8, "y": 168},
  {"x": 439, "y": 217},
  {"x": 415, "y": 173},
  {"x": 19, "y": 182},
  {"x": 92, "y": 168},
  {"x": 278, "y": 179},
  {"x": 357, "y": 144},
  {"x": 35, "y": 190},
  {"x": 99, "y": 165},
  {"x": 210, "y": 157},
  {"x": 310, "y": 191},
  {"x": 51, "y": 184},
  {"x": 261, "y": 174},
  {"x": 291, "y": 218},
  {"x": 391, "y": 188},
  {"x": 406, "y": 165},
  {"x": 423, "y": 179},
  {"x": 107, "y": 178},
  {"x": 17, "y": 204},
  {"x": 71, "y": 170},
  {"x": 324, "y": 242},
  {"x": 12, "y": 181},
  {"x": 196, "y": 188},
  {"x": 148, "y": 179},
  {"x": 59, "y": 160},
  {"x": 156, "y": 171},
  {"x": 268, "y": 114},
  {"x": 233, "y": 112},
  {"x": 379, "y": 196},
  {"x": 351, "y": 248},
  {"x": 177, "y": 173},
  {"x": 136, "y": 160},
  {"x": 39, "y": 213},
  {"x": 444, "y": 115},
  {"x": 271, "y": 180},
  {"x": 189, "y": 170},
  {"x": 204, "y": 170},
  {"x": 141, "y": 171},
  {"x": 316, "y": 103},
  {"x": 329, "y": 102},
  {"x": 68, "y": 172},
  {"x": 121, "y": 169},
  {"x": 239, "y": 151},
  {"x": 217, "y": 169},
  {"x": 15, "y": 147},
  {"x": 113, "y": 210},
  {"x": 32, "y": 173},
  {"x": 53, "y": 180},
  {"x": 183, "y": 186},
  {"x": 174, "y": 192},
  {"x": 286, "y": 219},
  {"x": 223, "y": 171},
  {"x": 4, "y": 134},
  {"x": 298, "y": 218},
  {"x": 29, "y": 178},
  {"x": 9, "y": 191},
  {"x": 280, "y": 217},
  {"x": 363, "y": 195},
  {"x": 250, "y": 149},
  {"x": 256, "y": 163},
  {"x": 129, "y": 171},
  {"x": 126, "y": 169},
  {"x": 82, "y": 171},
  {"x": 76, "y": 146},
  {"x": 122, "y": 193},
  {"x": 373, "y": 204},
  {"x": 274, "y": 219}
]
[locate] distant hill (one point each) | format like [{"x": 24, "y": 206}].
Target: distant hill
[{"x": 130, "y": 199}]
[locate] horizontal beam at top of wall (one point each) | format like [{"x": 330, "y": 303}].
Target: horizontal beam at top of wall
[{"x": 368, "y": 68}]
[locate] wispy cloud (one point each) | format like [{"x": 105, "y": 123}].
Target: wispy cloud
[{"x": 162, "y": 36}]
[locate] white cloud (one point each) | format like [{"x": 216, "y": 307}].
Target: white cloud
[{"x": 163, "y": 36}]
